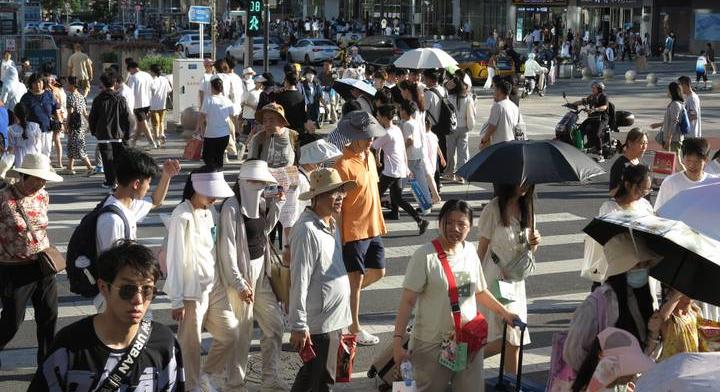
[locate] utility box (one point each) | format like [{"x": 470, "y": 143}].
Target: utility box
[{"x": 188, "y": 76}]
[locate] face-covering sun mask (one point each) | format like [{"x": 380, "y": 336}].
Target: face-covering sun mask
[{"x": 250, "y": 193}]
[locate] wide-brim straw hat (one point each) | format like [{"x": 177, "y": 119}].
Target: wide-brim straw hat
[
  {"x": 271, "y": 108},
  {"x": 318, "y": 152},
  {"x": 38, "y": 165},
  {"x": 256, "y": 170},
  {"x": 211, "y": 185},
  {"x": 325, "y": 180}
]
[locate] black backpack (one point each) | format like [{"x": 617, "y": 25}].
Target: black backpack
[
  {"x": 83, "y": 247},
  {"x": 447, "y": 123}
]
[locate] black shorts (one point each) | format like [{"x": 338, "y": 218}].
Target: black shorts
[
  {"x": 141, "y": 114},
  {"x": 701, "y": 75},
  {"x": 363, "y": 254}
]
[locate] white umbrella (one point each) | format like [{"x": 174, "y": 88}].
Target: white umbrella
[
  {"x": 684, "y": 372},
  {"x": 697, "y": 207},
  {"x": 425, "y": 58},
  {"x": 343, "y": 87}
]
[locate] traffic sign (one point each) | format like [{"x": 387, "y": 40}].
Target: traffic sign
[
  {"x": 255, "y": 9},
  {"x": 199, "y": 14}
]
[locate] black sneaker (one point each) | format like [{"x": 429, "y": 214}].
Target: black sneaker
[
  {"x": 391, "y": 216},
  {"x": 423, "y": 225}
]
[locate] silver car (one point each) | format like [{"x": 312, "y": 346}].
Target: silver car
[{"x": 237, "y": 50}]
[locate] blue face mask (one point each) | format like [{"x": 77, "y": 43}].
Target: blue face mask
[{"x": 637, "y": 278}]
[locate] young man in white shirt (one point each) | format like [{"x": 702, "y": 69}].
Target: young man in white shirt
[
  {"x": 694, "y": 157},
  {"x": 610, "y": 56},
  {"x": 504, "y": 116},
  {"x": 692, "y": 105},
  {"x": 140, "y": 82}
]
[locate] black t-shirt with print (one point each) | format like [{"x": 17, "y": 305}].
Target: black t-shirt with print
[{"x": 79, "y": 362}]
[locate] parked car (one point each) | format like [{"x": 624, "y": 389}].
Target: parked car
[
  {"x": 190, "y": 45},
  {"x": 237, "y": 50},
  {"x": 44, "y": 27},
  {"x": 76, "y": 29},
  {"x": 58, "y": 29},
  {"x": 375, "y": 47},
  {"x": 475, "y": 60},
  {"x": 97, "y": 28},
  {"x": 116, "y": 31},
  {"x": 143, "y": 32},
  {"x": 312, "y": 51},
  {"x": 31, "y": 27}
]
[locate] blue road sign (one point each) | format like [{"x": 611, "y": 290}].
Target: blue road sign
[{"x": 199, "y": 14}]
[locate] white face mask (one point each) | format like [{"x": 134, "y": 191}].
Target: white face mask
[
  {"x": 250, "y": 193},
  {"x": 248, "y": 77}
]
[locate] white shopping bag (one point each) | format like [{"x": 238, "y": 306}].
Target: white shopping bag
[{"x": 399, "y": 386}]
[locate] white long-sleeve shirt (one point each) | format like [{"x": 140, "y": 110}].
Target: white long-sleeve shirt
[
  {"x": 190, "y": 253},
  {"x": 465, "y": 108}
]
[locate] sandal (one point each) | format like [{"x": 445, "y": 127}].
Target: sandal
[{"x": 363, "y": 338}]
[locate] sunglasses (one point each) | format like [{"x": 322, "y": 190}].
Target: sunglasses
[{"x": 128, "y": 291}]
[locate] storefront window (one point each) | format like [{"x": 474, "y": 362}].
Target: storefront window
[{"x": 485, "y": 16}]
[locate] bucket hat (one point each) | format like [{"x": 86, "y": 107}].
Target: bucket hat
[
  {"x": 359, "y": 125},
  {"x": 272, "y": 108},
  {"x": 256, "y": 170},
  {"x": 623, "y": 252},
  {"x": 325, "y": 180},
  {"x": 211, "y": 185},
  {"x": 38, "y": 165},
  {"x": 318, "y": 151}
]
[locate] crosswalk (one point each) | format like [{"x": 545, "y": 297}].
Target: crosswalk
[{"x": 563, "y": 233}]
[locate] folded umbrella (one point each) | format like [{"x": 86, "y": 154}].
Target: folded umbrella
[
  {"x": 529, "y": 162},
  {"x": 697, "y": 207},
  {"x": 684, "y": 372},
  {"x": 425, "y": 58},
  {"x": 344, "y": 86},
  {"x": 690, "y": 260}
]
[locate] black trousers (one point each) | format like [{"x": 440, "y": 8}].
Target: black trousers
[
  {"x": 214, "y": 150},
  {"x": 108, "y": 152},
  {"x": 442, "y": 143},
  {"x": 592, "y": 128},
  {"x": 396, "y": 199},
  {"x": 313, "y": 376},
  {"x": 18, "y": 286}
]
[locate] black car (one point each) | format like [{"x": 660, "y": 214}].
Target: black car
[
  {"x": 116, "y": 31},
  {"x": 383, "y": 50}
]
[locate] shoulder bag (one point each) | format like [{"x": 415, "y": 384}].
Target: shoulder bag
[
  {"x": 279, "y": 273},
  {"x": 469, "y": 338},
  {"x": 114, "y": 380},
  {"x": 519, "y": 128},
  {"x": 51, "y": 260}
]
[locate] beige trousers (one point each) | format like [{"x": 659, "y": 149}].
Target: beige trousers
[
  {"x": 232, "y": 144},
  {"x": 214, "y": 313},
  {"x": 266, "y": 310},
  {"x": 431, "y": 376}
]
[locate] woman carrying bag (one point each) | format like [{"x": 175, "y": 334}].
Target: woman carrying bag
[
  {"x": 427, "y": 285},
  {"x": 507, "y": 243},
  {"x": 244, "y": 257}
]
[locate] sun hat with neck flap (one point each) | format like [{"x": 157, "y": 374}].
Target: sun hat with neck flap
[
  {"x": 256, "y": 170},
  {"x": 623, "y": 252}
]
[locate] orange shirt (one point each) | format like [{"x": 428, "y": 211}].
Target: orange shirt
[{"x": 361, "y": 212}]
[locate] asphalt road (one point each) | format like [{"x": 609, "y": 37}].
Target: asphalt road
[{"x": 553, "y": 292}]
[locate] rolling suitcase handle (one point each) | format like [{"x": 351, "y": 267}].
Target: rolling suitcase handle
[{"x": 500, "y": 386}]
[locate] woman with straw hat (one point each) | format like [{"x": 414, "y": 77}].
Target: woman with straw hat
[
  {"x": 23, "y": 235},
  {"x": 276, "y": 144}
]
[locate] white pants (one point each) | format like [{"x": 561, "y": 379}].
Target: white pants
[
  {"x": 266, "y": 310},
  {"x": 212, "y": 312},
  {"x": 46, "y": 139},
  {"x": 431, "y": 376},
  {"x": 457, "y": 144},
  {"x": 490, "y": 75}
]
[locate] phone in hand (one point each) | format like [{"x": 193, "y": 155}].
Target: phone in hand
[
  {"x": 307, "y": 353},
  {"x": 272, "y": 191}
]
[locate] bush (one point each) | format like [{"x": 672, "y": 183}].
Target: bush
[
  {"x": 109, "y": 57},
  {"x": 165, "y": 62}
]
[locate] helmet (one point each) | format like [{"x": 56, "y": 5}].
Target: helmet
[{"x": 600, "y": 85}]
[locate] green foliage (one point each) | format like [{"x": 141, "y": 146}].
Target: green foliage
[
  {"x": 165, "y": 62},
  {"x": 109, "y": 57}
]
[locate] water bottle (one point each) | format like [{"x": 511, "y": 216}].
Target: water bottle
[{"x": 407, "y": 372}]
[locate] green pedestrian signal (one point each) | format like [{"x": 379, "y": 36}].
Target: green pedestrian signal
[{"x": 255, "y": 9}]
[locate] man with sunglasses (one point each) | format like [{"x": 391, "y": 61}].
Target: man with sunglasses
[{"x": 116, "y": 349}]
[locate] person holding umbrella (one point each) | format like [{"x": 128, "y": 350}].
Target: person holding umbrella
[
  {"x": 627, "y": 301},
  {"x": 507, "y": 230}
]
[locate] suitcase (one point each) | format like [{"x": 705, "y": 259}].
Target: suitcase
[
  {"x": 508, "y": 383},
  {"x": 383, "y": 367}
]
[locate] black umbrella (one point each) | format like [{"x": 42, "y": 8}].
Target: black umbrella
[
  {"x": 690, "y": 260},
  {"x": 529, "y": 162},
  {"x": 344, "y": 86}
]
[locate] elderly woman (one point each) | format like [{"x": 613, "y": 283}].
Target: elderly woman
[
  {"x": 42, "y": 109},
  {"x": 23, "y": 233},
  {"x": 275, "y": 144},
  {"x": 426, "y": 285}
]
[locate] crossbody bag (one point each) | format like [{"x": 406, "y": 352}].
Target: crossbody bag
[{"x": 114, "y": 380}]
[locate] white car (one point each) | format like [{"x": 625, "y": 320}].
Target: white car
[
  {"x": 312, "y": 51},
  {"x": 190, "y": 44},
  {"x": 77, "y": 29},
  {"x": 44, "y": 27},
  {"x": 237, "y": 50}
]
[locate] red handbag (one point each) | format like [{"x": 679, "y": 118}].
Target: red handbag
[
  {"x": 475, "y": 331},
  {"x": 193, "y": 148}
]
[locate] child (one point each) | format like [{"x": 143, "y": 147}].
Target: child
[
  {"x": 432, "y": 154},
  {"x": 676, "y": 322},
  {"x": 700, "y": 72},
  {"x": 24, "y": 137}
]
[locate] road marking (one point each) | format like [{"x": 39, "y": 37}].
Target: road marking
[{"x": 396, "y": 227}]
